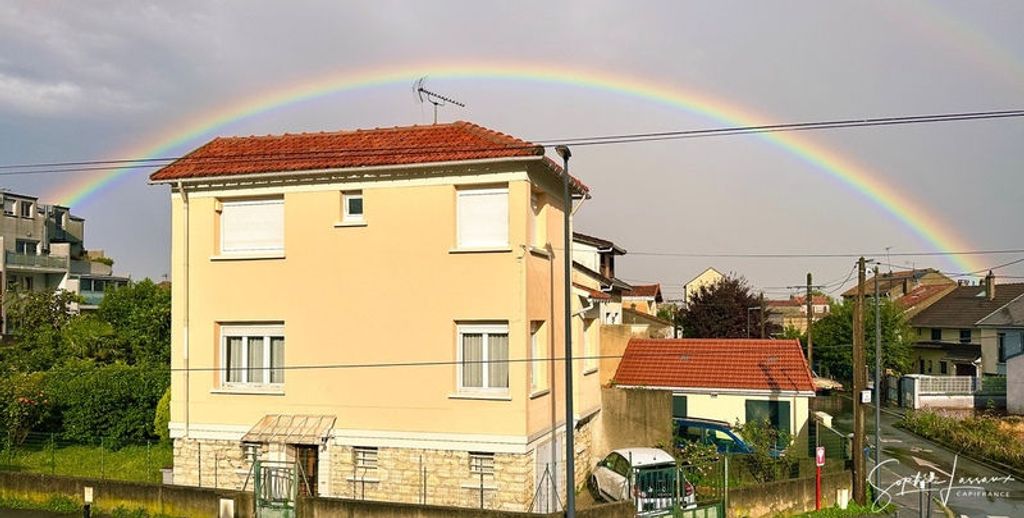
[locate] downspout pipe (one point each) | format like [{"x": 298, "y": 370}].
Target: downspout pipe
[{"x": 185, "y": 308}]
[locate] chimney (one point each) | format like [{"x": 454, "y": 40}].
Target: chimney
[{"x": 990, "y": 285}]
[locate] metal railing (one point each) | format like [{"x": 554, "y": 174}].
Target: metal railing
[{"x": 35, "y": 261}]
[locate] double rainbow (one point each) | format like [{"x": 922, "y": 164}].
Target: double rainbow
[{"x": 205, "y": 125}]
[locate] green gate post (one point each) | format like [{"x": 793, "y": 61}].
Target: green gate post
[{"x": 53, "y": 460}]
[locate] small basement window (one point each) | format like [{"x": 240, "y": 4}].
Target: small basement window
[
  {"x": 481, "y": 463},
  {"x": 364, "y": 457}
]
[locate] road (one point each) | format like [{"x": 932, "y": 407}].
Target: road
[{"x": 905, "y": 456}]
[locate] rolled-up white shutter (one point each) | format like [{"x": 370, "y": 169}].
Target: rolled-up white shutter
[
  {"x": 254, "y": 226},
  {"x": 483, "y": 218}
]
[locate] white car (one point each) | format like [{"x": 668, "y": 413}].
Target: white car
[{"x": 648, "y": 475}]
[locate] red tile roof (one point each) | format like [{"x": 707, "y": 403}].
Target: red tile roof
[
  {"x": 644, "y": 290},
  {"x": 701, "y": 363},
  {"x": 817, "y": 300},
  {"x": 923, "y": 293},
  {"x": 231, "y": 156}
]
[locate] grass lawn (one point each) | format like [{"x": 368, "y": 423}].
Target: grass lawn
[
  {"x": 853, "y": 510},
  {"x": 131, "y": 463}
]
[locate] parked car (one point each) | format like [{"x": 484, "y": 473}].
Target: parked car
[
  {"x": 709, "y": 431},
  {"x": 648, "y": 475}
]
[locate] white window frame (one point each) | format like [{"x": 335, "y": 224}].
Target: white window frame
[
  {"x": 244, "y": 331},
  {"x": 466, "y": 192},
  {"x": 348, "y": 217},
  {"x": 538, "y": 353},
  {"x": 486, "y": 330},
  {"x": 13, "y": 211},
  {"x": 223, "y": 204},
  {"x": 25, "y": 206}
]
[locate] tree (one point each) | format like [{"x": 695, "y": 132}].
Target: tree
[
  {"x": 140, "y": 317},
  {"x": 833, "y": 338},
  {"x": 36, "y": 320},
  {"x": 725, "y": 309}
]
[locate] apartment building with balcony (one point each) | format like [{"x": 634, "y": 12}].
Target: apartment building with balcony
[
  {"x": 43, "y": 250},
  {"x": 383, "y": 307}
]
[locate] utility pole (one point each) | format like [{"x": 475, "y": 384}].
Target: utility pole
[
  {"x": 761, "y": 314},
  {"x": 810, "y": 320},
  {"x": 859, "y": 381},
  {"x": 878, "y": 383}
]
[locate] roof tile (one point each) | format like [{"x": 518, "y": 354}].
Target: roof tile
[
  {"x": 457, "y": 141},
  {"x": 775, "y": 365}
]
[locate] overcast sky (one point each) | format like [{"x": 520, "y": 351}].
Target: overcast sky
[{"x": 95, "y": 80}]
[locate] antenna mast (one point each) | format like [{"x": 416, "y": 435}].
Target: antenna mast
[{"x": 434, "y": 98}]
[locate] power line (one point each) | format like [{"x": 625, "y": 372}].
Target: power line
[
  {"x": 840, "y": 255},
  {"x": 214, "y": 159}
]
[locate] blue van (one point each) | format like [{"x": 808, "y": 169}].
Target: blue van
[{"x": 709, "y": 431}]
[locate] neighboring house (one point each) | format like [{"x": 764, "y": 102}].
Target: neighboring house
[
  {"x": 708, "y": 277},
  {"x": 894, "y": 285},
  {"x": 646, "y": 325},
  {"x": 594, "y": 272},
  {"x": 731, "y": 380},
  {"x": 1008, "y": 323},
  {"x": 43, "y": 250},
  {"x": 643, "y": 298},
  {"x": 792, "y": 312},
  {"x": 456, "y": 238},
  {"x": 949, "y": 339}
]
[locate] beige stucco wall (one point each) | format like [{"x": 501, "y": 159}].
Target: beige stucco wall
[
  {"x": 709, "y": 276},
  {"x": 1015, "y": 385},
  {"x": 402, "y": 260}
]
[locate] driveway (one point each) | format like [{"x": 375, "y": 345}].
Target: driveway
[{"x": 904, "y": 456}]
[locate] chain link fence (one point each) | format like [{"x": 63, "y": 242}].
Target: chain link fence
[{"x": 48, "y": 453}]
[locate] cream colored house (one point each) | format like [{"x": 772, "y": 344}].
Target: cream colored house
[
  {"x": 363, "y": 302},
  {"x": 949, "y": 340},
  {"x": 708, "y": 277},
  {"x": 731, "y": 380}
]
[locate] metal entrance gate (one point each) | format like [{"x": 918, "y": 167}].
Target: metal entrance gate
[{"x": 276, "y": 485}]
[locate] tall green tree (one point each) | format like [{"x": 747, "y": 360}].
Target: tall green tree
[
  {"x": 36, "y": 320},
  {"x": 833, "y": 339},
  {"x": 726, "y": 309},
  {"x": 140, "y": 317}
]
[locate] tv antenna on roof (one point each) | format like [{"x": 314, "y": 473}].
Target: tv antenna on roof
[{"x": 432, "y": 97}]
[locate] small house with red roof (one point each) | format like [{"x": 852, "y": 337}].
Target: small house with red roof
[
  {"x": 731, "y": 380},
  {"x": 643, "y": 298}
]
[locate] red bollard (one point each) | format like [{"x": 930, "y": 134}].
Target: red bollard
[{"x": 817, "y": 489}]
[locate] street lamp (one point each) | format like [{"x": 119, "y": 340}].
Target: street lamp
[{"x": 570, "y": 461}]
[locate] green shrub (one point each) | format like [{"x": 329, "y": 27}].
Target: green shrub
[
  {"x": 766, "y": 463},
  {"x": 24, "y": 404},
  {"x": 163, "y": 417},
  {"x": 114, "y": 403}
]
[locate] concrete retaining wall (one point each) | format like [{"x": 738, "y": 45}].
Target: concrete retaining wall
[
  {"x": 788, "y": 496},
  {"x": 632, "y": 418},
  {"x": 177, "y": 501}
]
